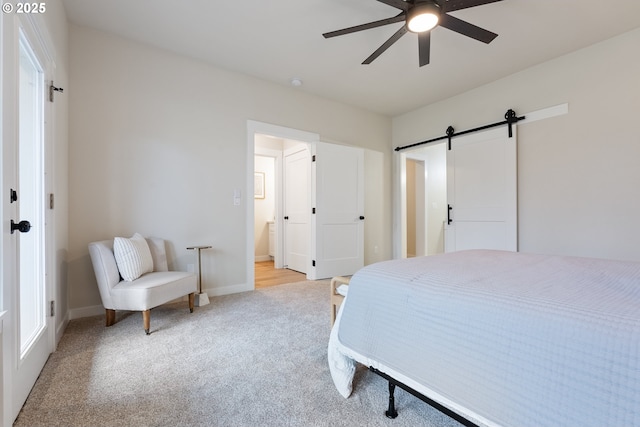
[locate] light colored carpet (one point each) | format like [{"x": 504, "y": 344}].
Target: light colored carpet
[{"x": 252, "y": 359}]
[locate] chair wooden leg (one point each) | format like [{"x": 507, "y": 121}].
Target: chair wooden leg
[
  {"x": 146, "y": 320},
  {"x": 192, "y": 298},
  {"x": 110, "y": 316}
]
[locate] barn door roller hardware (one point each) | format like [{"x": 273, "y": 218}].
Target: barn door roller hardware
[
  {"x": 52, "y": 89},
  {"x": 510, "y": 118}
]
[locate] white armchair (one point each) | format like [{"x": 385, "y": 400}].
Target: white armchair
[{"x": 144, "y": 293}]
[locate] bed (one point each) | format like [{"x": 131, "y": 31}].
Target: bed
[{"x": 499, "y": 338}]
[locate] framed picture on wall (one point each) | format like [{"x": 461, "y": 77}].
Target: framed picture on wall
[{"x": 258, "y": 185}]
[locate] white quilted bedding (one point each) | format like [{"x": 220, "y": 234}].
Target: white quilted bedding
[{"x": 505, "y": 339}]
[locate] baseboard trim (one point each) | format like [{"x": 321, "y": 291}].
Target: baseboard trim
[
  {"x": 61, "y": 327},
  {"x": 227, "y": 290},
  {"x": 78, "y": 313},
  {"x": 261, "y": 258}
]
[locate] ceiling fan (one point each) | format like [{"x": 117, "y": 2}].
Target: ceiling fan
[{"x": 420, "y": 17}]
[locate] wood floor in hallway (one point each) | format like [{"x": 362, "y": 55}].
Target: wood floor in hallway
[{"x": 266, "y": 275}]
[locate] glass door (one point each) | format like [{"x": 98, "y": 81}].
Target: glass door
[
  {"x": 31, "y": 199},
  {"x": 32, "y": 323}
]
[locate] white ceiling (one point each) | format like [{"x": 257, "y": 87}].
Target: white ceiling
[{"x": 277, "y": 40}]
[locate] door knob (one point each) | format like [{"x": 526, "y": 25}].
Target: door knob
[{"x": 22, "y": 226}]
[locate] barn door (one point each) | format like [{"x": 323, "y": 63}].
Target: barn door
[
  {"x": 482, "y": 192},
  {"x": 337, "y": 211}
]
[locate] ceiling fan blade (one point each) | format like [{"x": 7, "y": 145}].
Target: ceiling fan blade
[
  {"x": 451, "y": 5},
  {"x": 400, "y": 4},
  {"x": 467, "y": 29},
  {"x": 398, "y": 18},
  {"x": 424, "y": 47},
  {"x": 394, "y": 38}
]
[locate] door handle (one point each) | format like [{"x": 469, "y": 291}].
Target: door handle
[
  {"x": 449, "y": 208},
  {"x": 22, "y": 226},
  {"x": 361, "y": 217},
  {"x": 286, "y": 217}
]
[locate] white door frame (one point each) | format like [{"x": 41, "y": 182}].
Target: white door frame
[{"x": 253, "y": 128}]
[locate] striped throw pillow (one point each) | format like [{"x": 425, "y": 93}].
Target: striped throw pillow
[{"x": 133, "y": 256}]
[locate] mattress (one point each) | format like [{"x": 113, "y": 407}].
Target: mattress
[{"x": 503, "y": 338}]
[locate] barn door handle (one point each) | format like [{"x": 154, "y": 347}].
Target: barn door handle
[
  {"x": 22, "y": 226},
  {"x": 449, "y": 208}
]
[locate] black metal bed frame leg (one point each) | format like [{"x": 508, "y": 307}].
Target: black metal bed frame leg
[{"x": 391, "y": 412}]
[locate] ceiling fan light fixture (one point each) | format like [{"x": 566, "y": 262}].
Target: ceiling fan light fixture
[{"x": 423, "y": 17}]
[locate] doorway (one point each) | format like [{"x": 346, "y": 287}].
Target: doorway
[
  {"x": 264, "y": 205},
  {"x": 281, "y": 202},
  {"x": 268, "y": 140},
  {"x": 281, "y": 253},
  {"x": 416, "y": 208},
  {"x": 423, "y": 200},
  {"x": 334, "y": 207}
]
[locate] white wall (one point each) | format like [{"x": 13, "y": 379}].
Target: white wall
[
  {"x": 158, "y": 145},
  {"x": 578, "y": 174},
  {"x": 377, "y": 206}
]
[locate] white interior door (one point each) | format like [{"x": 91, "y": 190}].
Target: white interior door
[
  {"x": 297, "y": 204},
  {"x": 24, "y": 177},
  {"x": 482, "y": 192},
  {"x": 338, "y": 222}
]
